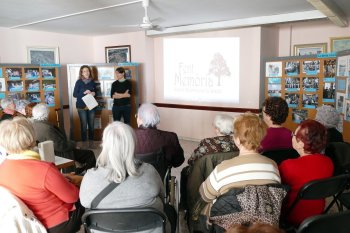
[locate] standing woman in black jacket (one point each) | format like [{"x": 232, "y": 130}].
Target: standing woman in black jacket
[
  {"x": 121, "y": 92},
  {"x": 85, "y": 85}
]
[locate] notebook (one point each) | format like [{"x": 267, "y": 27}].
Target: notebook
[{"x": 46, "y": 151}]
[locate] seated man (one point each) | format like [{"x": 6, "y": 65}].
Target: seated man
[
  {"x": 8, "y": 108},
  {"x": 45, "y": 131},
  {"x": 150, "y": 139}
]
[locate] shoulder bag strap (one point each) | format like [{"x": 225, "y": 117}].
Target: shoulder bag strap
[{"x": 103, "y": 194}]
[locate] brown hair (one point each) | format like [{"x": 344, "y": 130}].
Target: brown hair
[
  {"x": 255, "y": 228},
  {"x": 29, "y": 109},
  {"x": 250, "y": 130},
  {"x": 81, "y": 71},
  {"x": 277, "y": 109},
  {"x": 313, "y": 134}
]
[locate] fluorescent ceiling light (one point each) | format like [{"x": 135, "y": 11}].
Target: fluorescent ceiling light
[{"x": 238, "y": 23}]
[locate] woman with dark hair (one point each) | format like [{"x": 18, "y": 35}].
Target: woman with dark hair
[
  {"x": 275, "y": 112},
  {"x": 309, "y": 140},
  {"x": 121, "y": 92},
  {"x": 85, "y": 85}
]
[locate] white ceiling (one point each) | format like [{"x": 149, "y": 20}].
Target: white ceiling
[{"x": 94, "y": 20}]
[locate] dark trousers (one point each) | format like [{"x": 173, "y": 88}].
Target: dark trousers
[
  {"x": 87, "y": 119},
  {"x": 74, "y": 222},
  {"x": 122, "y": 111},
  {"x": 170, "y": 212}
]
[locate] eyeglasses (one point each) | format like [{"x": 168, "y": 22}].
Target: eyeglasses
[{"x": 293, "y": 134}]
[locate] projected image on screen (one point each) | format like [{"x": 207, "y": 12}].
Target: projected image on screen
[{"x": 201, "y": 69}]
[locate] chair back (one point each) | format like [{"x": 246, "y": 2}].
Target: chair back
[
  {"x": 281, "y": 154},
  {"x": 326, "y": 223},
  {"x": 339, "y": 152},
  {"x": 15, "y": 216},
  {"x": 321, "y": 189},
  {"x": 124, "y": 220},
  {"x": 157, "y": 159}
]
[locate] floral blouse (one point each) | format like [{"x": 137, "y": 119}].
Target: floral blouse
[{"x": 217, "y": 144}]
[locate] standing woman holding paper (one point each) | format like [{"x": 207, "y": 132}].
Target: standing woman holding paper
[
  {"x": 120, "y": 92},
  {"x": 85, "y": 85}
]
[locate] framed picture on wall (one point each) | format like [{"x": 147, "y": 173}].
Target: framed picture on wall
[
  {"x": 118, "y": 54},
  {"x": 340, "y": 44},
  {"x": 309, "y": 49},
  {"x": 43, "y": 55}
]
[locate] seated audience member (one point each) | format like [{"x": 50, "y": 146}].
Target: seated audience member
[
  {"x": 223, "y": 125},
  {"x": 221, "y": 143},
  {"x": 139, "y": 183},
  {"x": 29, "y": 110},
  {"x": 309, "y": 140},
  {"x": 8, "y": 108},
  {"x": 20, "y": 107},
  {"x": 151, "y": 139},
  {"x": 248, "y": 168},
  {"x": 255, "y": 228},
  {"x": 275, "y": 112},
  {"x": 330, "y": 118},
  {"x": 39, "y": 184},
  {"x": 45, "y": 131}
]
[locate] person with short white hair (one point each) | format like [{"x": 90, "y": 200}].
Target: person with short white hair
[
  {"x": 330, "y": 118},
  {"x": 222, "y": 142},
  {"x": 150, "y": 139},
  {"x": 62, "y": 146},
  {"x": 8, "y": 108}
]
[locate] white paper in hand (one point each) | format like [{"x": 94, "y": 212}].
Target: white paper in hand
[{"x": 90, "y": 101}]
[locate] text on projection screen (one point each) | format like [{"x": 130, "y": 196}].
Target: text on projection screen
[{"x": 201, "y": 69}]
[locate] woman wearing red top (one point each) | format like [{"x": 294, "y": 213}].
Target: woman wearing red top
[
  {"x": 53, "y": 200},
  {"x": 309, "y": 140}
]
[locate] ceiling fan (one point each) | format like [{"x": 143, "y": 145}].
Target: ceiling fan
[{"x": 147, "y": 23}]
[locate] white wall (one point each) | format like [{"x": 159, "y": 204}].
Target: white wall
[{"x": 258, "y": 43}]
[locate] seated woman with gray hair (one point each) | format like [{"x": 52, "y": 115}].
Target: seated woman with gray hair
[
  {"x": 139, "y": 183},
  {"x": 62, "y": 146},
  {"x": 150, "y": 139},
  {"x": 330, "y": 118},
  {"x": 222, "y": 142}
]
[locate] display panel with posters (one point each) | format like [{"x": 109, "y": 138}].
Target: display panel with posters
[{"x": 24, "y": 81}]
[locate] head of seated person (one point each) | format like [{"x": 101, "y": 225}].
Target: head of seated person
[
  {"x": 40, "y": 112},
  {"x": 310, "y": 137},
  {"x": 255, "y": 228},
  {"x": 330, "y": 118},
  {"x": 29, "y": 110},
  {"x": 275, "y": 112},
  {"x": 248, "y": 131},
  {"x": 17, "y": 136},
  {"x": 20, "y": 107},
  {"x": 223, "y": 125},
  {"x": 8, "y": 107},
  {"x": 148, "y": 116}
]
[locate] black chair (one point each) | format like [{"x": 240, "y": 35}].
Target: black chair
[
  {"x": 157, "y": 159},
  {"x": 123, "y": 220},
  {"x": 339, "y": 152},
  {"x": 321, "y": 189},
  {"x": 326, "y": 223},
  {"x": 281, "y": 154}
]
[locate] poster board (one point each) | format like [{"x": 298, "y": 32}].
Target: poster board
[
  {"x": 36, "y": 83},
  {"x": 343, "y": 91},
  {"x": 104, "y": 76},
  {"x": 305, "y": 82}
]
